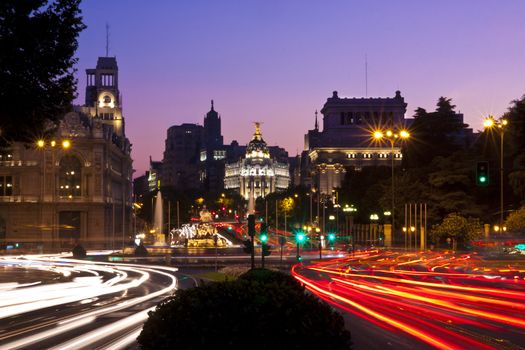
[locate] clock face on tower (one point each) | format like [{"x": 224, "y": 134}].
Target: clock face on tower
[{"x": 106, "y": 99}]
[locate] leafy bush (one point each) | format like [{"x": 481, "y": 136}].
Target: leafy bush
[
  {"x": 260, "y": 310},
  {"x": 79, "y": 252},
  {"x": 516, "y": 221}
]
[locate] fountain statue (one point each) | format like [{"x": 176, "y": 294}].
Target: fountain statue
[{"x": 160, "y": 238}]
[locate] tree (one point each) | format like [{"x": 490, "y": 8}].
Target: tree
[
  {"x": 516, "y": 221},
  {"x": 458, "y": 228},
  {"x": 262, "y": 310},
  {"x": 438, "y": 133},
  {"x": 38, "y": 39}
]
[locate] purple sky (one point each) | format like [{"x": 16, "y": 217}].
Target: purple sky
[{"x": 277, "y": 61}]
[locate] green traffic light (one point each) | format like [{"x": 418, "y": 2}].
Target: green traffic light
[
  {"x": 482, "y": 179},
  {"x": 264, "y": 238},
  {"x": 300, "y": 237},
  {"x": 331, "y": 237}
]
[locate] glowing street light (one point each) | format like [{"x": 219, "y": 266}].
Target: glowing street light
[
  {"x": 491, "y": 124},
  {"x": 40, "y": 143},
  {"x": 392, "y": 136}
]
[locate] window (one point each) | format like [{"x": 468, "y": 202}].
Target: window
[
  {"x": 367, "y": 155},
  {"x": 6, "y": 185},
  {"x": 351, "y": 155},
  {"x": 219, "y": 154},
  {"x": 5, "y": 154},
  {"x": 70, "y": 177}
]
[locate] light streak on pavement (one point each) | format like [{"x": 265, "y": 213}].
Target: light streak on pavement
[
  {"x": 446, "y": 301},
  {"x": 79, "y": 304}
]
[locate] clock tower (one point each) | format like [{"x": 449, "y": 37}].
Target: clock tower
[{"x": 103, "y": 98}]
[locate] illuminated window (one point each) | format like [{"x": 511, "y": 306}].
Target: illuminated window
[
  {"x": 367, "y": 155},
  {"x": 70, "y": 177},
  {"x": 6, "y": 185},
  {"x": 6, "y": 154},
  {"x": 219, "y": 154}
]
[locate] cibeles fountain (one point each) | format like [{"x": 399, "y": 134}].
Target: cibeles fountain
[{"x": 158, "y": 223}]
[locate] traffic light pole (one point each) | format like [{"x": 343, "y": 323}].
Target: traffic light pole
[
  {"x": 251, "y": 233},
  {"x": 262, "y": 254}
]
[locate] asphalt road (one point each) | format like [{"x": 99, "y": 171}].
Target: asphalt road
[
  {"x": 393, "y": 300},
  {"x": 60, "y": 303}
]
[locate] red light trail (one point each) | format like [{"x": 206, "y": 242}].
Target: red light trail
[{"x": 445, "y": 300}]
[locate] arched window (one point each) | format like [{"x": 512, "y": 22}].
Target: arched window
[{"x": 70, "y": 177}]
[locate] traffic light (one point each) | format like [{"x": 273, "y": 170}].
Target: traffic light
[
  {"x": 264, "y": 233},
  {"x": 300, "y": 237},
  {"x": 251, "y": 225},
  {"x": 482, "y": 173},
  {"x": 247, "y": 246},
  {"x": 299, "y": 258},
  {"x": 331, "y": 237}
]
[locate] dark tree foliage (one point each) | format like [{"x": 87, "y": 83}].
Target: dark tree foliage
[
  {"x": 434, "y": 134},
  {"x": 515, "y": 149},
  {"x": 38, "y": 39},
  {"x": 364, "y": 188},
  {"x": 258, "y": 311}
]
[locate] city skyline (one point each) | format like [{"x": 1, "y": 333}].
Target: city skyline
[{"x": 272, "y": 61}]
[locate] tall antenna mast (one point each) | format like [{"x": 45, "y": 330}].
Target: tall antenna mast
[
  {"x": 107, "y": 39},
  {"x": 366, "y": 75}
]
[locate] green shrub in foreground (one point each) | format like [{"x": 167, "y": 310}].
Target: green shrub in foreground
[{"x": 260, "y": 310}]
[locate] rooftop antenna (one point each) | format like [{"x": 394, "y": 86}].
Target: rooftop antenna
[
  {"x": 366, "y": 75},
  {"x": 107, "y": 39}
]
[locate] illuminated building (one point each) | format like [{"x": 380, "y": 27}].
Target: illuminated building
[
  {"x": 345, "y": 141},
  {"x": 257, "y": 171},
  {"x": 76, "y": 185}
]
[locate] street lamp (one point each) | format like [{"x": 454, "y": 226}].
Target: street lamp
[
  {"x": 42, "y": 145},
  {"x": 392, "y": 136},
  {"x": 491, "y": 124}
]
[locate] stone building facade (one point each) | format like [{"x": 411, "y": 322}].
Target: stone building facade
[
  {"x": 76, "y": 185},
  {"x": 346, "y": 140},
  {"x": 257, "y": 171}
]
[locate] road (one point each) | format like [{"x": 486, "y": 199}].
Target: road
[
  {"x": 394, "y": 300},
  {"x": 60, "y": 303}
]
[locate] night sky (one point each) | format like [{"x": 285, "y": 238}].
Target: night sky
[{"x": 277, "y": 61}]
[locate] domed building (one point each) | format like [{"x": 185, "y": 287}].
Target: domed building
[{"x": 257, "y": 172}]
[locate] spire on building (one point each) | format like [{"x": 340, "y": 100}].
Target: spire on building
[
  {"x": 316, "y": 123},
  {"x": 257, "y": 135},
  {"x": 212, "y": 105}
]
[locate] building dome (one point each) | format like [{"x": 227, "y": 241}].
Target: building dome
[{"x": 257, "y": 148}]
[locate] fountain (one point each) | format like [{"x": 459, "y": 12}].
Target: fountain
[{"x": 160, "y": 238}]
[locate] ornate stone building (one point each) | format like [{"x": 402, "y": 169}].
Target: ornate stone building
[
  {"x": 75, "y": 186},
  {"x": 346, "y": 141},
  {"x": 257, "y": 171}
]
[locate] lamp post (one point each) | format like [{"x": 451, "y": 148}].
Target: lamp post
[
  {"x": 392, "y": 137},
  {"x": 491, "y": 124},
  {"x": 52, "y": 145}
]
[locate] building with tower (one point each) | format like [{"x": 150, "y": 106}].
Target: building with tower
[
  {"x": 257, "y": 172},
  {"x": 76, "y": 185},
  {"x": 346, "y": 139}
]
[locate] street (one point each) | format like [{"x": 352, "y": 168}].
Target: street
[
  {"x": 424, "y": 300},
  {"x": 60, "y": 303}
]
